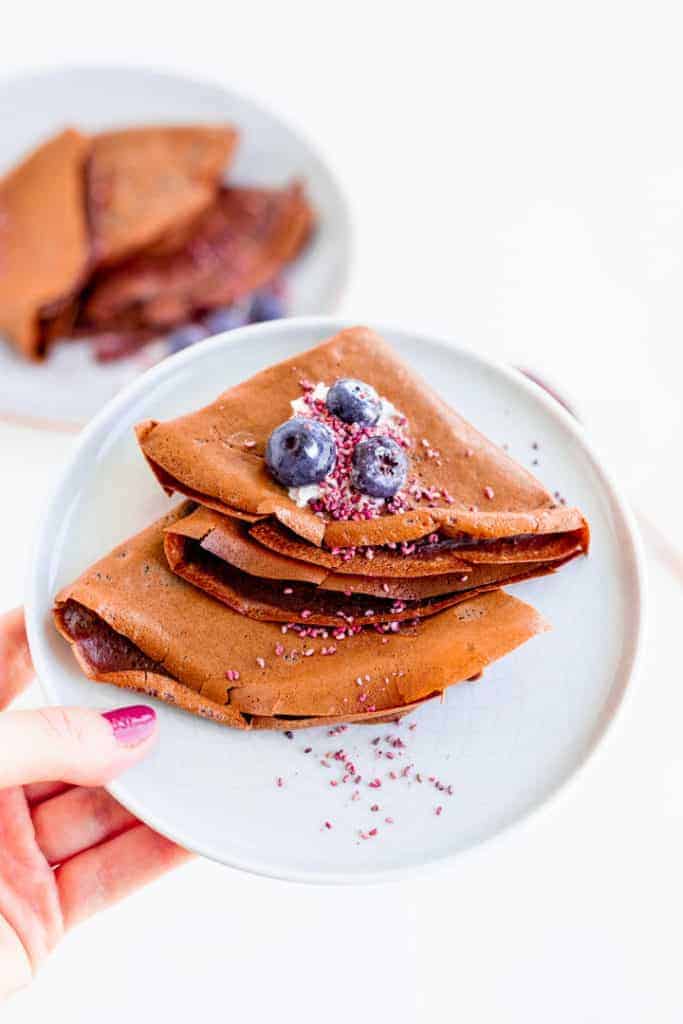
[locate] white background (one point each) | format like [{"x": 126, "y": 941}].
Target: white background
[{"x": 515, "y": 172}]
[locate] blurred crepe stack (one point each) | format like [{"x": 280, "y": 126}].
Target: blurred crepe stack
[
  {"x": 259, "y": 609},
  {"x": 122, "y": 236}
]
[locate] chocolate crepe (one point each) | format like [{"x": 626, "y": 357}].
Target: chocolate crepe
[
  {"x": 461, "y": 485},
  {"x": 43, "y": 239},
  {"x": 143, "y": 182},
  {"x": 217, "y": 554},
  {"x": 134, "y": 623},
  {"x": 445, "y": 555},
  {"x": 240, "y": 242}
]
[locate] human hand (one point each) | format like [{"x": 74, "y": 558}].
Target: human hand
[{"x": 67, "y": 848}]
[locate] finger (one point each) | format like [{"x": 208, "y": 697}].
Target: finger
[
  {"x": 36, "y": 792},
  {"x": 105, "y": 874},
  {"x": 16, "y": 668},
  {"x": 15, "y": 966},
  {"x": 29, "y": 901},
  {"x": 77, "y": 820},
  {"x": 77, "y": 745}
]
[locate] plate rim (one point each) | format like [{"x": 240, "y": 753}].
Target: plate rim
[{"x": 632, "y": 553}]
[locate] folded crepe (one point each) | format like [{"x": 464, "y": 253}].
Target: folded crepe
[
  {"x": 239, "y": 243},
  {"x": 133, "y": 622},
  {"x": 461, "y": 488},
  {"x": 218, "y": 555},
  {"x": 446, "y": 554},
  {"x": 44, "y": 244},
  {"x": 144, "y": 182}
]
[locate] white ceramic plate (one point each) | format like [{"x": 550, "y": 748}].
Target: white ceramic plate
[
  {"x": 69, "y": 387},
  {"x": 505, "y": 744}
]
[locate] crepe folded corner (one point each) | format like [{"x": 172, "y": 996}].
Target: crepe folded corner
[
  {"x": 461, "y": 486},
  {"x": 44, "y": 243},
  {"x": 131, "y": 621},
  {"x": 144, "y": 182}
]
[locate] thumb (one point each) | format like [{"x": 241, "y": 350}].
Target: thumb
[{"x": 74, "y": 745}]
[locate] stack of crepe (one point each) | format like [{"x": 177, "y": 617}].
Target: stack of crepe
[
  {"x": 126, "y": 234},
  {"x": 247, "y": 607}
]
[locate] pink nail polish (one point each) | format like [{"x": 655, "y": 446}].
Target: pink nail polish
[{"x": 133, "y": 724}]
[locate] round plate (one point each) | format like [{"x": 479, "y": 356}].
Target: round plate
[
  {"x": 270, "y": 153},
  {"x": 503, "y": 744}
]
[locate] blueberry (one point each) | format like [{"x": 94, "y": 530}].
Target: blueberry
[
  {"x": 266, "y": 305},
  {"x": 353, "y": 401},
  {"x": 380, "y": 467},
  {"x": 226, "y": 318},
  {"x": 300, "y": 451},
  {"x": 183, "y": 337}
]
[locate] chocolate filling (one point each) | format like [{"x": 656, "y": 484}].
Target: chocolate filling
[
  {"x": 104, "y": 648},
  {"x": 303, "y": 603},
  {"x": 419, "y": 558}
]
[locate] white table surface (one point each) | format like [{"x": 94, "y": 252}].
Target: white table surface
[{"x": 516, "y": 177}]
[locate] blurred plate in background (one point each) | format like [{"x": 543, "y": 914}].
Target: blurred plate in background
[{"x": 70, "y": 387}]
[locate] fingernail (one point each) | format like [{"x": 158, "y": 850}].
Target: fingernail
[{"x": 131, "y": 725}]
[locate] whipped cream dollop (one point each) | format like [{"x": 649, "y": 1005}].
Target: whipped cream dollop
[{"x": 391, "y": 421}]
